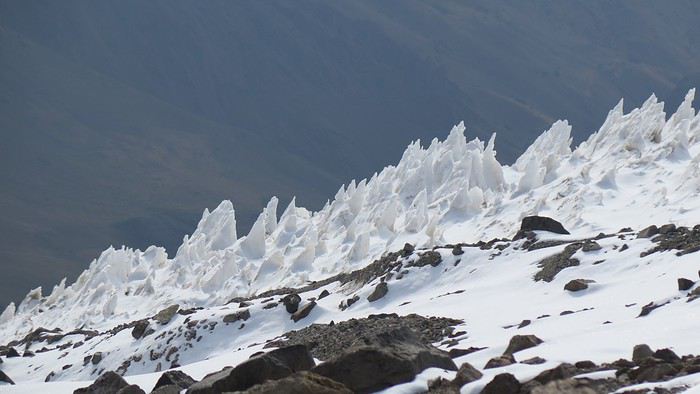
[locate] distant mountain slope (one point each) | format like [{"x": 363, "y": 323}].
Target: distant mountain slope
[{"x": 120, "y": 120}]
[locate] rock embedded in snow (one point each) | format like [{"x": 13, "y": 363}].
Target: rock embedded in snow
[
  {"x": 139, "y": 329},
  {"x": 4, "y": 378},
  {"x": 521, "y": 342},
  {"x": 323, "y": 294},
  {"x": 500, "y": 361},
  {"x": 590, "y": 246},
  {"x": 457, "y": 250},
  {"x": 685, "y": 284},
  {"x": 11, "y": 352},
  {"x": 539, "y": 223},
  {"x": 430, "y": 257},
  {"x": 291, "y": 302},
  {"x": 237, "y": 316},
  {"x": 561, "y": 371},
  {"x": 165, "y": 315},
  {"x": 648, "y": 232},
  {"x": 108, "y": 383},
  {"x": 96, "y": 358},
  {"x": 466, "y": 374},
  {"x": 576, "y": 285},
  {"x": 504, "y": 383},
  {"x": 534, "y": 361},
  {"x": 379, "y": 291},
  {"x": 304, "y": 311}
]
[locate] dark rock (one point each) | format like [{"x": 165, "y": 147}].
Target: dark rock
[
  {"x": 534, "y": 361},
  {"x": 562, "y": 371},
  {"x": 108, "y": 383},
  {"x": 652, "y": 371},
  {"x": 96, "y": 358},
  {"x": 5, "y": 378},
  {"x": 521, "y": 342},
  {"x": 576, "y": 285},
  {"x": 300, "y": 383},
  {"x": 457, "y": 250},
  {"x": 291, "y": 302},
  {"x": 585, "y": 364},
  {"x": 685, "y": 284},
  {"x": 641, "y": 352},
  {"x": 590, "y": 246},
  {"x": 323, "y": 294},
  {"x": 454, "y": 353},
  {"x": 575, "y": 386},
  {"x": 466, "y": 374},
  {"x": 539, "y": 223},
  {"x": 169, "y": 389},
  {"x": 256, "y": 370},
  {"x": 240, "y": 315},
  {"x": 648, "y": 232},
  {"x": 28, "y": 353},
  {"x": 431, "y": 258},
  {"x": 345, "y": 304},
  {"x": 270, "y": 305},
  {"x": 624, "y": 247},
  {"x": 11, "y": 352},
  {"x": 667, "y": 228},
  {"x": 176, "y": 378},
  {"x": 139, "y": 329},
  {"x": 244, "y": 304},
  {"x": 524, "y": 323},
  {"x": 667, "y": 355},
  {"x": 131, "y": 389},
  {"x": 564, "y": 313},
  {"x": 407, "y": 250},
  {"x": 377, "y": 362},
  {"x": 441, "y": 385},
  {"x": 504, "y": 383},
  {"x": 648, "y": 308},
  {"x": 379, "y": 291},
  {"x": 164, "y": 316},
  {"x": 500, "y": 361},
  {"x": 304, "y": 311}
]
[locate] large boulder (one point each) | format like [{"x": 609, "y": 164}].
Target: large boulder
[
  {"x": 539, "y": 223},
  {"x": 300, "y": 383},
  {"x": 165, "y": 315},
  {"x": 139, "y": 329},
  {"x": 374, "y": 363},
  {"x": 5, "y": 378},
  {"x": 641, "y": 353},
  {"x": 131, "y": 389},
  {"x": 380, "y": 291},
  {"x": 504, "y": 383},
  {"x": 291, "y": 302},
  {"x": 177, "y": 378},
  {"x": 108, "y": 383},
  {"x": 276, "y": 364},
  {"x": 304, "y": 311},
  {"x": 521, "y": 342}
]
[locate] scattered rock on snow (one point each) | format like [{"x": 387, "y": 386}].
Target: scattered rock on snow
[
  {"x": 240, "y": 315},
  {"x": 590, "y": 246},
  {"x": 5, "y": 378},
  {"x": 139, "y": 329},
  {"x": 165, "y": 315},
  {"x": 576, "y": 285},
  {"x": 500, "y": 361},
  {"x": 379, "y": 291},
  {"x": 648, "y": 232},
  {"x": 466, "y": 374},
  {"x": 457, "y": 250},
  {"x": 685, "y": 284},
  {"x": 534, "y": 361},
  {"x": 552, "y": 265},
  {"x": 454, "y": 352},
  {"x": 291, "y": 302},
  {"x": 539, "y": 223},
  {"x": 430, "y": 257},
  {"x": 323, "y": 294},
  {"x": 304, "y": 311},
  {"x": 522, "y": 342}
]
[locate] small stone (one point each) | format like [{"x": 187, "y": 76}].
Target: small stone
[
  {"x": 323, "y": 294},
  {"x": 379, "y": 291},
  {"x": 454, "y": 353},
  {"x": 11, "y": 352},
  {"x": 522, "y": 342},
  {"x": 96, "y": 358},
  {"x": 576, "y": 285},
  {"x": 641, "y": 353},
  {"x": 244, "y": 304},
  {"x": 524, "y": 323},
  {"x": 534, "y": 361},
  {"x": 586, "y": 364},
  {"x": 291, "y": 302},
  {"x": 648, "y": 232},
  {"x": 303, "y": 312},
  {"x": 685, "y": 284},
  {"x": 624, "y": 247},
  {"x": 504, "y": 383},
  {"x": 177, "y": 378},
  {"x": 457, "y": 250}
]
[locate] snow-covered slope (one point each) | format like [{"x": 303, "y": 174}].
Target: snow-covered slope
[{"x": 640, "y": 168}]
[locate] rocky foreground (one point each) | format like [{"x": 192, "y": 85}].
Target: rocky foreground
[{"x": 369, "y": 352}]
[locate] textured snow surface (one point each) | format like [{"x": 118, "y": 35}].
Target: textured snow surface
[{"x": 640, "y": 168}]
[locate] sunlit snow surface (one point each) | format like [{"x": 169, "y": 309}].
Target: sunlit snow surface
[{"x": 640, "y": 168}]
